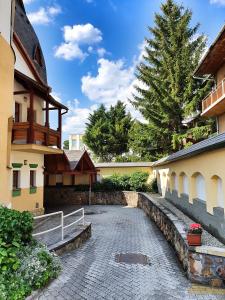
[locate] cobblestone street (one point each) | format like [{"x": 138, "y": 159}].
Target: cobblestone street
[{"x": 92, "y": 272}]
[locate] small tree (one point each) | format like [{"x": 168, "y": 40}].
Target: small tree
[{"x": 66, "y": 145}]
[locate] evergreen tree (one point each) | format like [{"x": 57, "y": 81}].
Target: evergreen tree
[
  {"x": 170, "y": 93},
  {"x": 107, "y": 132}
]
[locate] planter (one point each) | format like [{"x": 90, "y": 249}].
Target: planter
[{"x": 194, "y": 239}]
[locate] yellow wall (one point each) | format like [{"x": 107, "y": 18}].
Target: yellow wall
[
  {"x": 210, "y": 165},
  {"x": 7, "y": 60},
  {"x": 27, "y": 201},
  {"x": 109, "y": 171},
  {"x": 67, "y": 179}
]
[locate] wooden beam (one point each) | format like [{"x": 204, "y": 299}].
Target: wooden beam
[
  {"x": 21, "y": 92},
  {"x": 50, "y": 108},
  {"x": 31, "y": 119}
]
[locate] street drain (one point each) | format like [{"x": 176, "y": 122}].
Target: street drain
[{"x": 132, "y": 258}]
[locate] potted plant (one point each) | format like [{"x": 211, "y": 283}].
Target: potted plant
[{"x": 194, "y": 236}]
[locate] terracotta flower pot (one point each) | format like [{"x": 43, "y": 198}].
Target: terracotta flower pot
[{"x": 194, "y": 239}]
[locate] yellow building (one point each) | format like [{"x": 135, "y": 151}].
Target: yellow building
[
  {"x": 123, "y": 168},
  {"x": 194, "y": 178},
  {"x": 25, "y": 133}
]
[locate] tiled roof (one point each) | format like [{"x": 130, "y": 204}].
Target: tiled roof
[
  {"x": 74, "y": 157},
  {"x": 123, "y": 164},
  {"x": 28, "y": 37},
  {"x": 212, "y": 143}
]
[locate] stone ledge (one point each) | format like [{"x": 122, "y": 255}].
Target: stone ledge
[
  {"x": 203, "y": 265},
  {"x": 72, "y": 242}
]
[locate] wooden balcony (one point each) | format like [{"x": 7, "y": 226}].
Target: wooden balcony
[
  {"x": 25, "y": 133},
  {"x": 214, "y": 103}
]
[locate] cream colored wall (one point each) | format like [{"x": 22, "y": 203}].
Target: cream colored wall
[
  {"x": 82, "y": 179},
  {"x": 67, "y": 179},
  {"x": 221, "y": 123},
  {"x": 21, "y": 64},
  {"x": 220, "y": 74},
  {"x": 27, "y": 201},
  {"x": 6, "y": 102},
  {"x": 109, "y": 171},
  {"x": 24, "y": 100},
  {"x": 210, "y": 165}
]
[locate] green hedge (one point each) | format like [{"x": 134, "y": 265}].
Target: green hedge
[{"x": 133, "y": 182}]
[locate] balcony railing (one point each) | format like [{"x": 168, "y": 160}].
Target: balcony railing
[
  {"x": 215, "y": 95},
  {"x": 24, "y": 133}
]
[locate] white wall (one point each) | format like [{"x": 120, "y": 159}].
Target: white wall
[
  {"x": 200, "y": 187},
  {"x": 5, "y": 19},
  {"x": 20, "y": 63},
  {"x": 32, "y": 158}
]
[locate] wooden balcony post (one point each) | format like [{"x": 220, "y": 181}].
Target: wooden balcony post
[
  {"x": 59, "y": 127},
  {"x": 47, "y": 114},
  {"x": 31, "y": 119}
]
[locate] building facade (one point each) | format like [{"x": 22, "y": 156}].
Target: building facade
[
  {"x": 26, "y": 134},
  {"x": 194, "y": 178},
  {"x": 76, "y": 142}
]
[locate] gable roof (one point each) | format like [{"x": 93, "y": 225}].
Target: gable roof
[{"x": 74, "y": 156}]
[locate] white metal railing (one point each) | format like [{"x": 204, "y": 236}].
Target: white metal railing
[{"x": 62, "y": 218}]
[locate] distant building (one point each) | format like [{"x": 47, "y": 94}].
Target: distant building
[{"x": 76, "y": 142}]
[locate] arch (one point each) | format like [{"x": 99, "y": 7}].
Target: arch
[
  {"x": 218, "y": 191},
  {"x": 184, "y": 184},
  {"x": 199, "y": 186},
  {"x": 174, "y": 182}
]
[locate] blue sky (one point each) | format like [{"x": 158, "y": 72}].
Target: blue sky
[{"x": 91, "y": 47}]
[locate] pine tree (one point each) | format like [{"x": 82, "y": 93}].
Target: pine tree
[
  {"x": 170, "y": 93},
  {"x": 107, "y": 132}
]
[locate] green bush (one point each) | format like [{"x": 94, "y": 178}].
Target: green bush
[{"x": 25, "y": 265}]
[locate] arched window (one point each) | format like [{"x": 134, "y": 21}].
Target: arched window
[
  {"x": 200, "y": 187},
  {"x": 217, "y": 189}
]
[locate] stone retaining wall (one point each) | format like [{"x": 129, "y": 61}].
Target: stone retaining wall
[
  {"x": 204, "y": 265},
  {"x": 56, "y": 196}
]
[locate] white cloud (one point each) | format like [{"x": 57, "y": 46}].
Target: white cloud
[
  {"x": 44, "y": 16},
  {"x": 101, "y": 52},
  {"x": 114, "y": 81},
  {"x": 77, "y": 117},
  {"x": 82, "y": 34},
  {"x": 219, "y": 2},
  {"x": 69, "y": 51},
  {"x": 27, "y": 1},
  {"x": 75, "y": 37}
]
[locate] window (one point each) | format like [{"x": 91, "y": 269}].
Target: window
[
  {"x": 16, "y": 184},
  {"x": 32, "y": 178},
  {"x": 17, "y": 112},
  {"x": 38, "y": 56}
]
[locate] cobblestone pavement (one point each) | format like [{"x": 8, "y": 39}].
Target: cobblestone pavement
[{"x": 91, "y": 272}]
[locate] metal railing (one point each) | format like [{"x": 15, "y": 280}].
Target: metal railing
[
  {"x": 62, "y": 218},
  {"x": 214, "y": 95}
]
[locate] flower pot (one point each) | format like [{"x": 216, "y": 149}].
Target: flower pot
[{"x": 194, "y": 239}]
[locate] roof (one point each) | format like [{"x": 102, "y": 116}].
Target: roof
[
  {"x": 212, "y": 143},
  {"x": 39, "y": 89},
  {"x": 28, "y": 38},
  {"x": 74, "y": 156},
  {"x": 214, "y": 57},
  {"x": 123, "y": 164}
]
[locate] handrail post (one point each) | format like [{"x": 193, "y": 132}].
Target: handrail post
[{"x": 62, "y": 223}]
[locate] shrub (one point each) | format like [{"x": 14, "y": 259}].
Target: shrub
[
  {"x": 153, "y": 187},
  {"x": 24, "y": 264}
]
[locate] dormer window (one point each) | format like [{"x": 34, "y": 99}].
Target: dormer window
[{"x": 38, "y": 56}]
